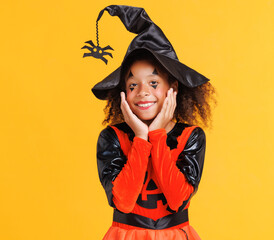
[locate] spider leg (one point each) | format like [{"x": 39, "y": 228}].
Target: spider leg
[
  {"x": 91, "y": 43},
  {"x": 88, "y": 55},
  {"x": 89, "y": 48},
  {"x": 106, "y": 53},
  {"x": 105, "y": 60},
  {"x": 107, "y": 48}
]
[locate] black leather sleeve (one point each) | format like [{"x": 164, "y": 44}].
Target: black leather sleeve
[
  {"x": 110, "y": 160},
  {"x": 191, "y": 159}
]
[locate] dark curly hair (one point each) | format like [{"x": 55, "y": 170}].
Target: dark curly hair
[{"x": 194, "y": 105}]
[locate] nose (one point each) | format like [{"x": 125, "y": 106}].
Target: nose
[{"x": 143, "y": 90}]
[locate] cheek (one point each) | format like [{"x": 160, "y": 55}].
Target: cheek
[
  {"x": 161, "y": 93},
  {"x": 129, "y": 96}
]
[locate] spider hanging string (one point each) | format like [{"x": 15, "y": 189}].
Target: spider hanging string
[
  {"x": 97, "y": 51},
  {"x": 97, "y": 34}
]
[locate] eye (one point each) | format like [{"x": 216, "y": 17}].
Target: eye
[
  {"x": 132, "y": 86},
  {"x": 154, "y": 84}
]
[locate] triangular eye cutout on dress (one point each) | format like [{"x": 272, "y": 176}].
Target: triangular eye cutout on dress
[{"x": 151, "y": 185}]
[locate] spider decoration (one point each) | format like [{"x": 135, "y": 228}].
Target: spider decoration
[{"x": 97, "y": 51}]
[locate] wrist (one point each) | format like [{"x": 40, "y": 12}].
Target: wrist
[
  {"x": 157, "y": 134},
  {"x": 145, "y": 137},
  {"x": 156, "y": 127},
  {"x": 153, "y": 131}
]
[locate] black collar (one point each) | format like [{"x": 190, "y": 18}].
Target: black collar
[{"x": 172, "y": 135}]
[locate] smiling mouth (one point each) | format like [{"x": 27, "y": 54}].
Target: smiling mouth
[{"x": 144, "y": 106}]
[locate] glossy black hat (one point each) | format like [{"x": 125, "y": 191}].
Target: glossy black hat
[{"x": 150, "y": 38}]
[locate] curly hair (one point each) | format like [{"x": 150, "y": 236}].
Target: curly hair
[{"x": 194, "y": 105}]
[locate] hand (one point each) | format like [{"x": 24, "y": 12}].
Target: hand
[
  {"x": 166, "y": 113},
  {"x": 139, "y": 128}
]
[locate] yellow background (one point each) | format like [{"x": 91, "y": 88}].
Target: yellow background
[{"x": 50, "y": 121}]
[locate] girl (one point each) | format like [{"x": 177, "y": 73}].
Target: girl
[{"x": 150, "y": 157}]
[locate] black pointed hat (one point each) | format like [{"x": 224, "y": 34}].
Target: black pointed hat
[{"x": 150, "y": 38}]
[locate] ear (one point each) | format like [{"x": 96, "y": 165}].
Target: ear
[{"x": 174, "y": 85}]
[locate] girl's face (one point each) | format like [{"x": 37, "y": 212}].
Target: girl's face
[{"x": 146, "y": 89}]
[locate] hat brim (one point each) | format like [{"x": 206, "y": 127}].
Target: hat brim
[{"x": 184, "y": 74}]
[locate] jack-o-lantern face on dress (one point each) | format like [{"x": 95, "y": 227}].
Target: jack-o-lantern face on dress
[{"x": 150, "y": 194}]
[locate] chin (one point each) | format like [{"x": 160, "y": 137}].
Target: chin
[{"x": 146, "y": 117}]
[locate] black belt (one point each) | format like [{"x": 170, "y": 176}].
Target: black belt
[{"x": 144, "y": 222}]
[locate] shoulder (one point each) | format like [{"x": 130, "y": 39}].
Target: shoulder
[
  {"x": 181, "y": 129},
  {"x": 107, "y": 132},
  {"x": 195, "y": 136},
  {"x": 196, "y": 132},
  {"x": 108, "y": 135},
  {"x": 110, "y": 128},
  {"x": 124, "y": 130},
  {"x": 196, "y": 140},
  {"x": 110, "y": 132}
]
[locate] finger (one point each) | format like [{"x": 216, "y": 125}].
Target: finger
[
  {"x": 122, "y": 99},
  {"x": 123, "y": 103},
  {"x": 172, "y": 100},
  {"x": 165, "y": 104},
  {"x": 122, "y": 94},
  {"x": 173, "y": 104},
  {"x": 175, "y": 100},
  {"x": 169, "y": 99},
  {"x": 170, "y": 105},
  {"x": 127, "y": 110}
]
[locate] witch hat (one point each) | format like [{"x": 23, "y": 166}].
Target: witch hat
[{"x": 150, "y": 38}]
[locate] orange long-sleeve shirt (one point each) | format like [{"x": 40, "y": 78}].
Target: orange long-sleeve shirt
[{"x": 146, "y": 175}]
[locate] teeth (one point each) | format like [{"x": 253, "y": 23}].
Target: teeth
[{"x": 145, "y": 105}]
